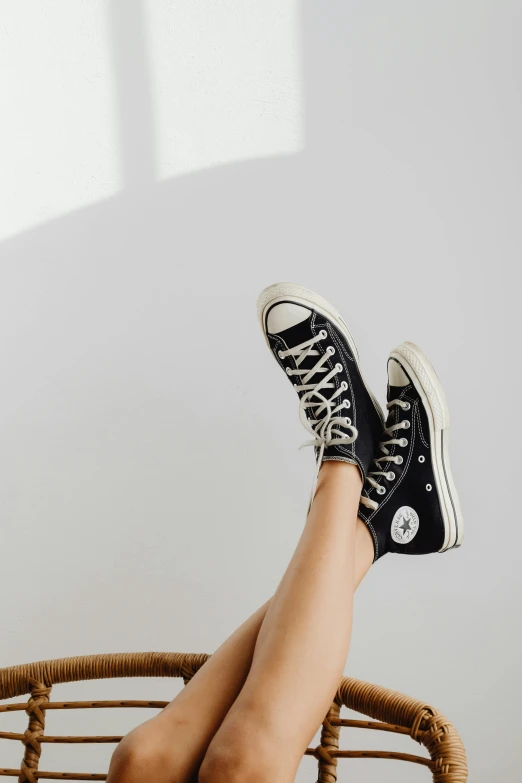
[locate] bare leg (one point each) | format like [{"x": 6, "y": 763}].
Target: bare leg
[
  {"x": 170, "y": 746},
  {"x": 301, "y": 647},
  {"x": 174, "y": 742}
]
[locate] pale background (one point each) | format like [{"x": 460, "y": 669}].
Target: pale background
[{"x": 160, "y": 164}]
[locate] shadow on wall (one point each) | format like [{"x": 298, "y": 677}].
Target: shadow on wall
[
  {"x": 217, "y": 220},
  {"x": 180, "y": 237},
  {"x": 78, "y": 275},
  {"x": 204, "y": 219}
]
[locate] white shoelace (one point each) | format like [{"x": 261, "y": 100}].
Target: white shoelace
[
  {"x": 326, "y": 421},
  {"x": 397, "y": 459}
]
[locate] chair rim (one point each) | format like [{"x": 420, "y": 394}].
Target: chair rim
[
  {"x": 14, "y": 680},
  {"x": 392, "y": 709}
]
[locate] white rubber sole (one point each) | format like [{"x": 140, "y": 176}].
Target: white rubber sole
[
  {"x": 426, "y": 382},
  {"x": 283, "y": 292}
]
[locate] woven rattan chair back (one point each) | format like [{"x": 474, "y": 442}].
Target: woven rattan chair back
[{"x": 390, "y": 711}]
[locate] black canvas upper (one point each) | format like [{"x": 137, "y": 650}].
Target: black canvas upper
[
  {"x": 409, "y": 518},
  {"x": 362, "y": 411}
]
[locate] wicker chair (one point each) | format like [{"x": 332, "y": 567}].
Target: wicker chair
[{"x": 390, "y": 710}]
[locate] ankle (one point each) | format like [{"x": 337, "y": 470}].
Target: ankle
[{"x": 339, "y": 471}]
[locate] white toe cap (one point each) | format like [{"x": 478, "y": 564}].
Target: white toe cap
[
  {"x": 283, "y": 316},
  {"x": 396, "y": 375}
]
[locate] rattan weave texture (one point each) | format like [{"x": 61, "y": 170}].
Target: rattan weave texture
[{"x": 390, "y": 711}]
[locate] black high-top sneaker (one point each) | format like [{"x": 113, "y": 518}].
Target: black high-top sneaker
[
  {"x": 410, "y": 503},
  {"x": 311, "y": 342}
]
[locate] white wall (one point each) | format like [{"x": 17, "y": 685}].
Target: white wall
[
  {"x": 186, "y": 85},
  {"x": 161, "y": 163}
]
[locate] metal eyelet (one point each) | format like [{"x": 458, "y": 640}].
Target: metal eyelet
[
  {"x": 323, "y": 334},
  {"x": 391, "y": 475},
  {"x": 280, "y": 354},
  {"x": 403, "y": 442},
  {"x": 339, "y": 367},
  {"x": 347, "y": 420},
  {"x": 406, "y": 406},
  {"x": 421, "y": 458},
  {"x": 330, "y": 350},
  {"x": 381, "y": 490},
  {"x": 288, "y": 371},
  {"x": 429, "y": 487},
  {"x": 344, "y": 386},
  {"x": 406, "y": 424},
  {"x": 398, "y": 460},
  {"x": 347, "y": 403}
]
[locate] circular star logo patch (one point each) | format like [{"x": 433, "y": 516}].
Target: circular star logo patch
[{"x": 405, "y": 524}]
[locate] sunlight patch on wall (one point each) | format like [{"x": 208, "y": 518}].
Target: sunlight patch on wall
[
  {"x": 225, "y": 81},
  {"x": 58, "y": 134}
]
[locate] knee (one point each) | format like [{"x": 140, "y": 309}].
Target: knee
[
  {"x": 141, "y": 756},
  {"x": 242, "y": 756},
  {"x": 227, "y": 764}
]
